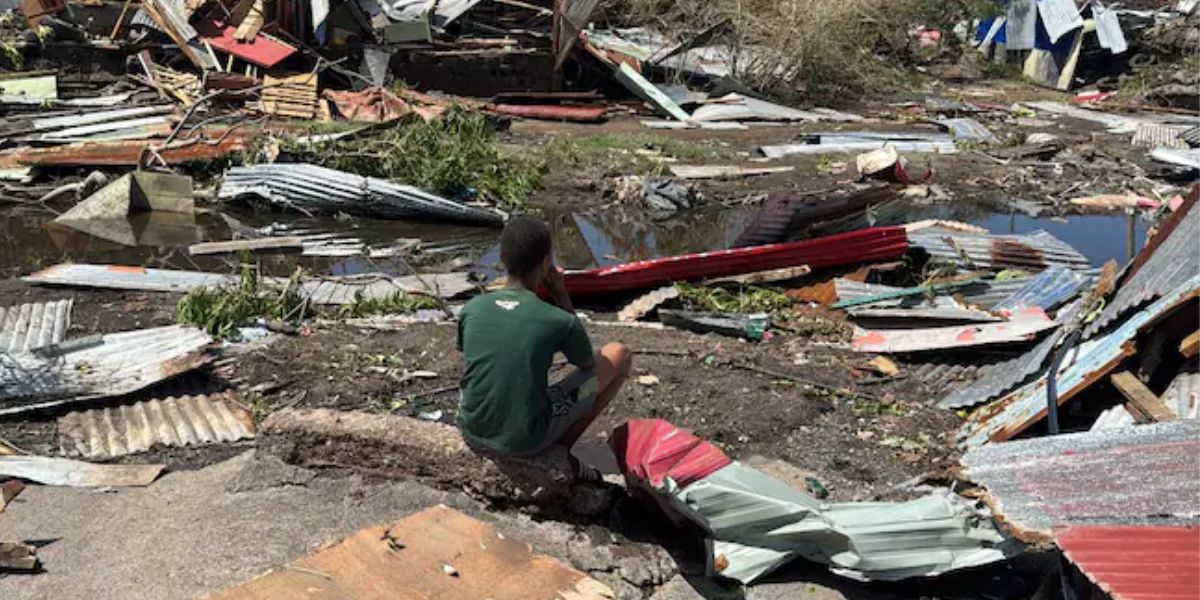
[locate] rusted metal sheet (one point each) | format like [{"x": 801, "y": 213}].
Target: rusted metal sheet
[
  {"x": 131, "y": 428},
  {"x": 436, "y": 553},
  {"x": 35, "y": 325},
  {"x": 552, "y": 112},
  {"x": 73, "y": 473},
  {"x": 1091, "y": 361},
  {"x": 1031, "y": 252},
  {"x": 1136, "y": 562},
  {"x": 1022, "y": 326},
  {"x": 780, "y": 219},
  {"x": 100, "y": 366},
  {"x": 1167, "y": 260},
  {"x": 1142, "y": 474},
  {"x": 122, "y": 153}
]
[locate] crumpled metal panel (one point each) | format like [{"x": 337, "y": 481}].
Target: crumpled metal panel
[
  {"x": 1167, "y": 263},
  {"x": 48, "y": 470},
  {"x": 132, "y": 428},
  {"x": 35, "y": 325},
  {"x": 310, "y": 188},
  {"x": 996, "y": 379},
  {"x": 1142, "y": 474},
  {"x": 938, "y": 376},
  {"x": 1030, "y": 252},
  {"x": 1083, "y": 366},
  {"x": 1024, "y": 325},
  {"x": 986, "y": 293},
  {"x": 756, "y": 523},
  {"x": 100, "y": 366},
  {"x": 1047, "y": 289},
  {"x": 1136, "y": 562},
  {"x": 1156, "y": 135}
]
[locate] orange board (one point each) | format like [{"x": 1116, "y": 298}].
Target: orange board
[{"x": 438, "y": 553}]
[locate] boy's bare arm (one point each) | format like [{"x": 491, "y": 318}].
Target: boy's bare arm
[{"x": 558, "y": 290}]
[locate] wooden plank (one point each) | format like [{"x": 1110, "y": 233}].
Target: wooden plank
[
  {"x": 757, "y": 277},
  {"x": 1190, "y": 345},
  {"x": 437, "y": 553},
  {"x": 255, "y": 245},
  {"x": 1143, "y": 404}
]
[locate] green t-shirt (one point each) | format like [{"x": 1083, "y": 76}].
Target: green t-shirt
[{"x": 508, "y": 339}]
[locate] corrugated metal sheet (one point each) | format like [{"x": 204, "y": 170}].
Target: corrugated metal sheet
[
  {"x": 107, "y": 365},
  {"x": 756, "y": 523},
  {"x": 310, "y": 188},
  {"x": 735, "y": 107},
  {"x": 1083, "y": 366},
  {"x": 915, "y": 314},
  {"x": 73, "y": 473},
  {"x": 132, "y": 129},
  {"x": 34, "y": 325},
  {"x": 1001, "y": 377},
  {"x": 1047, "y": 289},
  {"x": 985, "y": 293},
  {"x": 1114, "y": 123},
  {"x": 779, "y": 218},
  {"x": 132, "y": 428},
  {"x": 326, "y": 290},
  {"x": 838, "y": 145},
  {"x": 1156, "y": 135},
  {"x": 1143, "y": 474},
  {"x": 1024, "y": 325},
  {"x": 1160, "y": 267},
  {"x": 965, "y": 128},
  {"x": 1136, "y": 562},
  {"x": 1113, "y": 418},
  {"x": 1030, "y": 252},
  {"x": 1187, "y": 158},
  {"x": 1191, "y": 136},
  {"x": 940, "y": 376}
]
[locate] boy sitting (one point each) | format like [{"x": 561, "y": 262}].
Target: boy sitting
[{"x": 508, "y": 339}]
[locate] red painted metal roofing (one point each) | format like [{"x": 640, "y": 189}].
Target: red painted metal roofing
[
  {"x": 584, "y": 114},
  {"x": 1137, "y": 562},
  {"x": 865, "y": 245},
  {"x": 652, "y": 449}
]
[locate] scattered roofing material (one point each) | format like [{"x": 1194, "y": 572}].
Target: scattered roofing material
[
  {"x": 1142, "y": 474},
  {"x": 865, "y": 245},
  {"x": 1136, "y": 562},
  {"x": 950, "y": 312},
  {"x": 1113, "y": 418},
  {"x": 1157, "y": 135},
  {"x": 263, "y": 50},
  {"x": 552, "y": 112},
  {"x": 326, "y": 290},
  {"x": 997, "y": 379},
  {"x": 736, "y": 107},
  {"x": 779, "y": 219},
  {"x": 755, "y": 524},
  {"x": 1191, "y": 136},
  {"x": 1167, "y": 260},
  {"x": 1114, "y": 123},
  {"x": 131, "y": 428},
  {"x": 73, "y": 473},
  {"x": 125, "y": 153},
  {"x": 1183, "y": 396},
  {"x": 1086, "y": 364},
  {"x": 1189, "y": 158},
  {"x": 1047, "y": 290},
  {"x": 94, "y": 117},
  {"x": 1031, "y": 252},
  {"x": 1023, "y": 326},
  {"x": 965, "y": 128},
  {"x": 722, "y": 171},
  {"x": 750, "y": 327},
  {"x": 944, "y": 374},
  {"x": 649, "y": 92},
  {"x": 263, "y": 244},
  {"x": 436, "y": 553},
  {"x": 852, "y": 141},
  {"x": 310, "y": 188},
  {"x": 132, "y": 129},
  {"x": 99, "y": 366},
  {"x": 34, "y": 325},
  {"x": 893, "y": 296}
]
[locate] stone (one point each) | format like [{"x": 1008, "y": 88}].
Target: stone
[
  {"x": 588, "y": 557},
  {"x": 621, "y": 588},
  {"x": 405, "y": 448}
]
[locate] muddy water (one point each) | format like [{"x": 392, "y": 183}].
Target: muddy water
[{"x": 582, "y": 239}]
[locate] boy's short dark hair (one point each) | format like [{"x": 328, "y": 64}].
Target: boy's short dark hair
[{"x": 523, "y": 244}]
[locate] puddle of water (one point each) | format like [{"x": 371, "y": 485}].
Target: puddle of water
[{"x": 582, "y": 239}]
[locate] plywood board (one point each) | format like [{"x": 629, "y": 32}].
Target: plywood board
[{"x": 438, "y": 553}]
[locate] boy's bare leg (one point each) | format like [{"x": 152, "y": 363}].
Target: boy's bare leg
[{"x": 611, "y": 367}]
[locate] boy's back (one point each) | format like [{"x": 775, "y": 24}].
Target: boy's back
[{"x": 508, "y": 339}]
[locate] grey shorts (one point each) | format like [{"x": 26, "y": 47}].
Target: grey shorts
[{"x": 571, "y": 399}]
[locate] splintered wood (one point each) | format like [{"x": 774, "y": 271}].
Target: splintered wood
[
  {"x": 294, "y": 96},
  {"x": 437, "y": 553}
]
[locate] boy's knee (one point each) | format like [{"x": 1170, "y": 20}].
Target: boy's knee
[{"x": 619, "y": 355}]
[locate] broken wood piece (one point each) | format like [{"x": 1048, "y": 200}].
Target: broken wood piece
[
  {"x": 17, "y": 556},
  {"x": 73, "y": 473},
  {"x": 250, "y": 25},
  {"x": 1190, "y": 345},
  {"x": 436, "y": 553},
  {"x": 294, "y": 96},
  {"x": 768, "y": 276},
  {"x": 1143, "y": 404},
  {"x": 722, "y": 171},
  {"x": 120, "y": 20},
  {"x": 9, "y": 490},
  {"x": 267, "y": 244}
]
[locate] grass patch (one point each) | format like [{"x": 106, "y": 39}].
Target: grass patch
[
  {"x": 747, "y": 299},
  {"x": 221, "y": 311},
  {"x": 454, "y": 155},
  {"x": 574, "y": 150}
]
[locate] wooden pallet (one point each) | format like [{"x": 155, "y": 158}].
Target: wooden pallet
[{"x": 293, "y": 96}]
